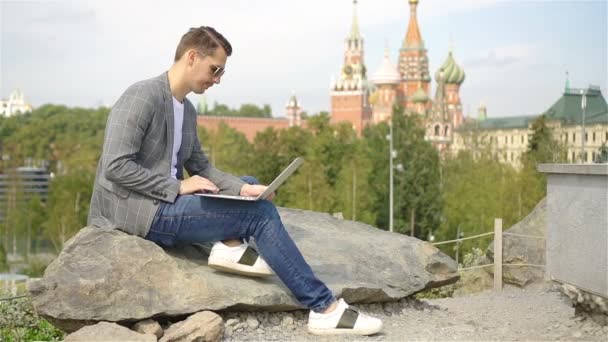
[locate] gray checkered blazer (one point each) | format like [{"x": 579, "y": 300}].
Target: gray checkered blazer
[{"x": 133, "y": 173}]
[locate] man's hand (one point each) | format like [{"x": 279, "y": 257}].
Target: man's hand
[
  {"x": 255, "y": 190},
  {"x": 197, "y": 184}
]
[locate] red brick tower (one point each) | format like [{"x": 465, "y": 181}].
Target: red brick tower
[
  {"x": 349, "y": 94},
  {"x": 413, "y": 60}
]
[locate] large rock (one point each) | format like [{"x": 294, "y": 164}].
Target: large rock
[
  {"x": 203, "y": 326},
  {"x": 104, "y": 331},
  {"x": 113, "y": 276},
  {"x": 524, "y": 250}
]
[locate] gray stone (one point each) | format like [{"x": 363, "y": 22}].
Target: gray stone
[
  {"x": 232, "y": 322},
  {"x": 287, "y": 321},
  {"x": 202, "y": 326},
  {"x": 113, "y": 276},
  {"x": 252, "y": 323},
  {"x": 104, "y": 331},
  {"x": 148, "y": 326},
  {"x": 524, "y": 250}
]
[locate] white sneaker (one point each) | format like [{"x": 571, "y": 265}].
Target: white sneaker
[
  {"x": 343, "y": 320},
  {"x": 241, "y": 259}
]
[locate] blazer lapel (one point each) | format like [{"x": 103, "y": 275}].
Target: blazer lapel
[{"x": 169, "y": 116}]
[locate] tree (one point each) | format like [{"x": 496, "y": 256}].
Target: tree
[
  {"x": 227, "y": 149},
  {"x": 542, "y": 148},
  {"x": 418, "y": 194},
  {"x": 602, "y": 154},
  {"x": 68, "y": 206}
]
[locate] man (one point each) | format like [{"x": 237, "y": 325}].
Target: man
[{"x": 139, "y": 187}]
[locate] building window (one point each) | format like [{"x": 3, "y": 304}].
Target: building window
[
  {"x": 511, "y": 139},
  {"x": 607, "y": 136},
  {"x": 437, "y": 130},
  {"x": 593, "y": 156},
  {"x": 586, "y": 140},
  {"x": 566, "y": 136},
  {"x": 446, "y": 131},
  {"x": 573, "y": 137},
  {"x": 506, "y": 140},
  {"x": 573, "y": 157},
  {"x": 594, "y": 139}
]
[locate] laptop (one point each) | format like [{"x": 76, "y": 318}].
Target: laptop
[{"x": 271, "y": 188}]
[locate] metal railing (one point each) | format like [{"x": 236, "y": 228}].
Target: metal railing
[{"x": 498, "y": 247}]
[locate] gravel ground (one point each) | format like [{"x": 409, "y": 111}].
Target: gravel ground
[{"x": 534, "y": 314}]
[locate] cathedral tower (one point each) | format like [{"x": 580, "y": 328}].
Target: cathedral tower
[
  {"x": 413, "y": 60},
  {"x": 349, "y": 94}
]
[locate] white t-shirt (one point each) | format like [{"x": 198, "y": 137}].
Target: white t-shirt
[{"x": 178, "y": 120}]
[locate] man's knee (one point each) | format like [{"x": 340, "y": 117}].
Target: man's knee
[
  {"x": 250, "y": 180},
  {"x": 269, "y": 209}
]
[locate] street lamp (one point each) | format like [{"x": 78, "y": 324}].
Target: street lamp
[
  {"x": 583, "y": 138},
  {"x": 392, "y": 154}
]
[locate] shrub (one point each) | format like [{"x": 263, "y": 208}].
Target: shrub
[{"x": 19, "y": 322}]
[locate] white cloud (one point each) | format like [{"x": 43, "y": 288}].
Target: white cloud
[{"x": 501, "y": 57}]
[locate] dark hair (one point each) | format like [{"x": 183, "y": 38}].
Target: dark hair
[{"x": 204, "y": 38}]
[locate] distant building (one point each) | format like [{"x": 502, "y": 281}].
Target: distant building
[
  {"x": 355, "y": 100},
  {"x": 508, "y": 136},
  {"x": 250, "y": 126},
  {"x": 30, "y": 181},
  {"x": 14, "y": 105}
]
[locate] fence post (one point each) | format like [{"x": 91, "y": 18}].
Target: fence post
[{"x": 497, "y": 254}]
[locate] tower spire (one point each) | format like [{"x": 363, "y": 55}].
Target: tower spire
[
  {"x": 413, "y": 38},
  {"x": 354, "y": 30},
  {"x": 567, "y": 87}
]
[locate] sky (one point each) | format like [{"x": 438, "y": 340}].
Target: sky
[{"x": 515, "y": 53}]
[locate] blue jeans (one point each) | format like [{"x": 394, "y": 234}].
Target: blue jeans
[{"x": 195, "y": 219}]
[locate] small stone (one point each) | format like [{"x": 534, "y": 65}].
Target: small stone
[
  {"x": 149, "y": 326},
  {"x": 275, "y": 319},
  {"x": 241, "y": 326},
  {"x": 287, "y": 321},
  {"x": 577, "y": 334},
  {"x": 252, "y": 323},
  {"x": 556, "y": 325},
  {"x": 228, "y": 331},
  {"x": 231, "y": 322}
]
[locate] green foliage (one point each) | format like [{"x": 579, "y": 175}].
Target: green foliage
[
  {"x": 602, "y": 154},
  {"x": 19, "y": 322},
  {"x": 3, "y": 264},
  {"x": 55, "y": 133},
  {"x": 417, "y": 192},
  {"x": 68, "y": 205},
  {"x": 246, "y": 110},
  {"x": 474, "y": 258},
  {"x": 35, "y": 268}
]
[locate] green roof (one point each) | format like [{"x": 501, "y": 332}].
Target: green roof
[
  {"x": 507, "y": 122},
  {"x": 567, "y": 109}
]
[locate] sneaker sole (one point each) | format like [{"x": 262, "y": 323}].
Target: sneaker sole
[
  {"x": 368, "y": 331},
  {"x": 231, "y": 267}
]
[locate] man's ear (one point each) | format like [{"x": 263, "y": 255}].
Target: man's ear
[{"x": 191, "y": 56}]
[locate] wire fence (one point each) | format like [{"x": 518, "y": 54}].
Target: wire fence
[{"x": 498, "y": 249}]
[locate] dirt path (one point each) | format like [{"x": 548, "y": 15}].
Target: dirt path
[{"x": 539, "y": 314}]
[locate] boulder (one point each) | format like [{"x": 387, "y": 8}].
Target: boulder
[
  {"x": 203, "y": 326},
  {"x": 524, "y": 250},
  {"x": 108, "y": 275},
  {"x": 104, "y": 331}
]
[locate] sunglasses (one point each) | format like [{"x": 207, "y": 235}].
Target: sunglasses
[{"x": 217, "y": 70}]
